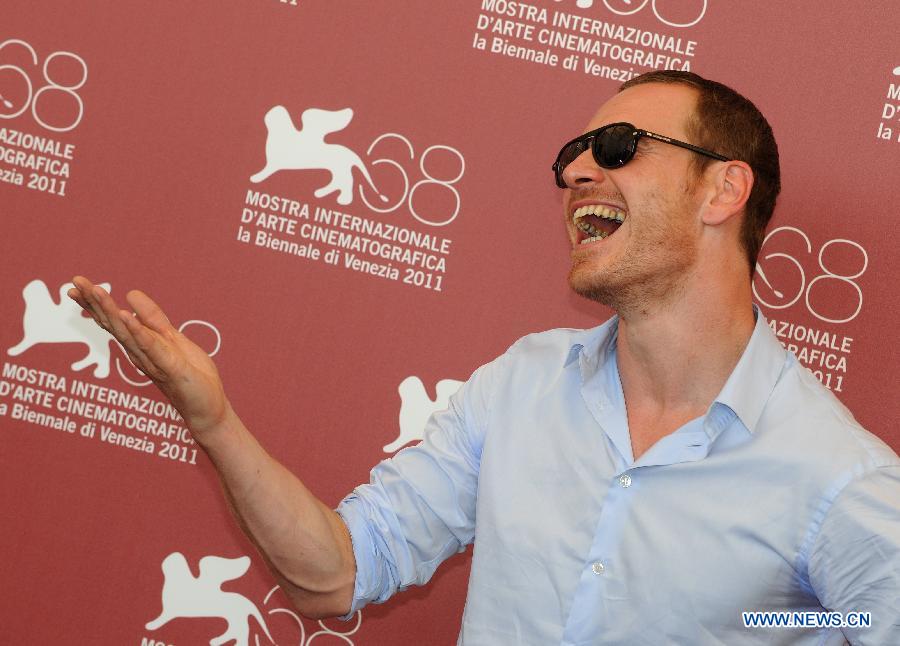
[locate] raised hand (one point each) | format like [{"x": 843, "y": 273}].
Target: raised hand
[
  {"x": 305, "y": 542},
  {"x": 179, "y": 368}
]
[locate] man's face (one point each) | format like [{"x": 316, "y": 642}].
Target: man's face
[{"x": 644, "y": 260}]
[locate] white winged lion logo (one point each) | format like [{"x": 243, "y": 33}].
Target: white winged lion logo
[
  {"x": 416, "y": 407},
  {"x": 184, "y": 595},
  {"x": 288, "y": 148},
  {"x": 45, "y": 321}
]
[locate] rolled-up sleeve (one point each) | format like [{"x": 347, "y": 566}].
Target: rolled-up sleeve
[
  {"x": 419, "y": 506},
  {"x": 855, "y": 563}
]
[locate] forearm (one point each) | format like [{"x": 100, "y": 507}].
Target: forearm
[{"x": 305, "y": 543}]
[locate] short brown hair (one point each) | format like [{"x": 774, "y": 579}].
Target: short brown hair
[{"x": 729, "y": 124}]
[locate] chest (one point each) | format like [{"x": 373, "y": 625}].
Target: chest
[{"x": 561, "y": 517}]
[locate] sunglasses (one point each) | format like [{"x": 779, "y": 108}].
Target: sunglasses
[{"x": 613, "y": 146}]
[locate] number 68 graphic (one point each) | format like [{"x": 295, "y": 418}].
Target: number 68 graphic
[
  {"x": 629, "y": 7},
  {"x": 408, "y": 194},
  {"x": 789, "y": 265},
  {"x": 8, "y": 109}
]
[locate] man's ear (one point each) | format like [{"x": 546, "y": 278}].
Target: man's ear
[{"x": 731, "y": 182}]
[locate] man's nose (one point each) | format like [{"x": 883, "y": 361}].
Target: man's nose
[{"x": 583, "y": 170}]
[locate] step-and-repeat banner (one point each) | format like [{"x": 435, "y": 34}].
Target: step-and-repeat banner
[{"x": 350, "y": 206}]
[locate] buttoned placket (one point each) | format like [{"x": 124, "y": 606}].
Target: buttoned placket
[{"x": 600, "y": 578}]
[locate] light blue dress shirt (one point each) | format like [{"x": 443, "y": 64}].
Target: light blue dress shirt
[{"x": 776, "y": 499}]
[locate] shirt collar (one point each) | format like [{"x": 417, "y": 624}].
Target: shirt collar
[
  {"x": 747, "y": 388},
  {"x": 590, "y": 342},
  {"x": 754, "y": 377}
]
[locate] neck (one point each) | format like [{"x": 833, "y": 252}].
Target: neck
[{"x": 677, "y": 355}]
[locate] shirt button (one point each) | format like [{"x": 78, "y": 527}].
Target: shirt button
[
  {"x": 597, "y": 567},
  {"x": 625, "y": 480}
]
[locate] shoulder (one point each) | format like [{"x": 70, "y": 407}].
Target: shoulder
[
  {"x": 544, "y": 355},
  {"x": 805, "y": 409},
  {"x": 533, "y": 363},
  {"x": 549, "y": 344}
]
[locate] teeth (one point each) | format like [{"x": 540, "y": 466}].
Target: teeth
[
  {"x": 606, "y": 212},
  {"x": 600, "y": 236},
  {"x": 588, "y": 228}
]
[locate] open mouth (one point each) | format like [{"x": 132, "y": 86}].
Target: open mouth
[{"x": 596, "y": 222}]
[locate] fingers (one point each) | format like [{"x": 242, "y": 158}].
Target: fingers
[
  {"x": 148, "y": 346},
  {"x": 103, "y": 309},
  {"x": 149, "y": 313},
  {"x": 75, "y": 295},
  {"x": 88, "y": 296},
  {"x": 108, "y": 311}
]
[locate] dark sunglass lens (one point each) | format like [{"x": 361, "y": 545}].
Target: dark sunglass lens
[
  {"x": 614, "y": 146},
  {"x": 570, "y": 153}
]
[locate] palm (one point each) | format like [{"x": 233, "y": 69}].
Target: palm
[
  {"x": 177, "y": 365},
  {"x": 191, "y": 382}
]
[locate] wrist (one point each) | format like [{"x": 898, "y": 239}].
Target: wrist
[{"x": 212, "y": 430}]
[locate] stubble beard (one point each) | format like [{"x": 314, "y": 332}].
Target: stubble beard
[{"x": 653, "y": 266}]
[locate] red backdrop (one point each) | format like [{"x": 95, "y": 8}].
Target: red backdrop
[{"x": 129, "y": 134}]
